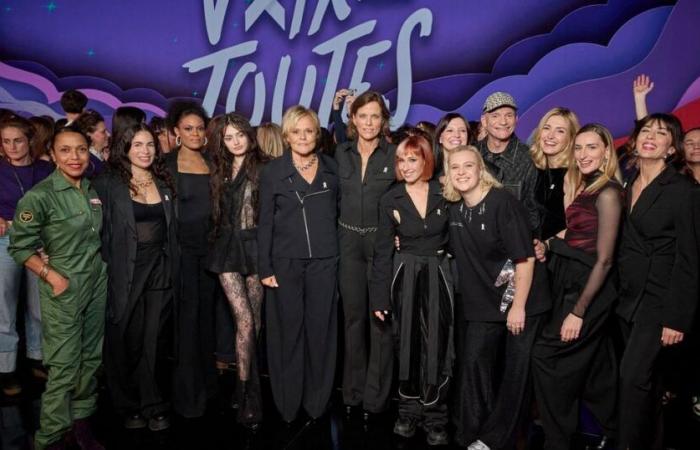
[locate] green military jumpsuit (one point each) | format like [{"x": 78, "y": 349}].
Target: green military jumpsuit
[{"x": 66, "y": 221}]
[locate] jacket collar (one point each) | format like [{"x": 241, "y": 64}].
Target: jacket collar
[
  {"x": 434, "y": 196},
  {"x": 383, "y": 146},
  {"x": 509, "y": 154},
  {"x": 297, "y": 183},
  {"x": 60, "y": 183},
  {"x": 650, "y": 193}
]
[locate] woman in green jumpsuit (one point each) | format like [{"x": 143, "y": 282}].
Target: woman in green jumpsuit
[{"x": 63, "y": 214}]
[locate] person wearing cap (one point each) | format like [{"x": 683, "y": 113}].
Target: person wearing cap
[{"x": 506, "y": 157}]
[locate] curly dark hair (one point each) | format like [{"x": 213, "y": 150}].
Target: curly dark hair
[
  {"x": 119, "y": 164},
  {"x": 181, "y": 108},
  {"x": 223, "y": 163}
]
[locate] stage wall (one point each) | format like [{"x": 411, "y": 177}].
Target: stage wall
[{"x": 427, "y": 57}]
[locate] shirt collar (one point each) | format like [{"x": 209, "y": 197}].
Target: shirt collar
[
  {"x": 383, "y": 146},
  {"x": 61, "y": 184}
]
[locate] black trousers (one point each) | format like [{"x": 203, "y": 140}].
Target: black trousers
[
  {"x": 492, "y": 382},
  {"x": 302, "y": 327},
  {"x": 195, "y": 380},
  {"x": 566, "y": 373},
  {"x": 368, "y": 366},
  {"x": 137, "y": 345},
  {"x": 640, "y": 387},
  {"x": 429, "y": 415}
]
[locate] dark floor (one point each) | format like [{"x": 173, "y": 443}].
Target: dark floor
[{"x": 218, "y": 429}]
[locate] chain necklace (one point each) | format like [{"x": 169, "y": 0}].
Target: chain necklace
[
  {"x": 306, "y": 166},
  {"x": 142, "y": 184}
]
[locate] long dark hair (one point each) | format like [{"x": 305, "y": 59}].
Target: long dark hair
[
  {"x": 120, "y": 165},
  {"x": 439, "y": 129},
  {"x": 223, "y": 164}
]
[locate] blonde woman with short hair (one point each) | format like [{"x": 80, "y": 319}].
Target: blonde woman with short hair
[
  {"x": 504, "y": 298},
  {"x": 297, "y": 264}
]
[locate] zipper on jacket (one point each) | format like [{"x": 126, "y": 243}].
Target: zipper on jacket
[{"x": 303, "y": 213}]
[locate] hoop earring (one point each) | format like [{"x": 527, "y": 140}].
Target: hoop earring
[
  {"x": 205, "y": 141},
  {"x": 178, "y": 141}
]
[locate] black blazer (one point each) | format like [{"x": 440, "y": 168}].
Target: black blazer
[
  {"x": 119, "y": 239},
  {"x": 658, "y": 257},
  {"x": 297, "y": 220},
  {"x": 418, "y": 236}
]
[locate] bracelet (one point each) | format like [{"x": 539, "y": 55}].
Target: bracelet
[{"x": 44, "y": 272}]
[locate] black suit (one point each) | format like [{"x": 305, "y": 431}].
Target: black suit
[
  {"x": 297, "y": 244},
  {"x": 139, "y": 298},
  {"x": 658, "y": 264}
]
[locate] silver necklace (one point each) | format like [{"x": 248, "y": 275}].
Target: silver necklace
[{"x": 307, "y": 165}]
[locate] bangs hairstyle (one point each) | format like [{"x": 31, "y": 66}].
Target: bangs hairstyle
[
  {"x": 293, "y": 115},
  {"x": 564, "y": 157},
  {"x": 362, "y": 100},
  {"x": 223, "y": 166},
  {"x": 486, "y": 180},
  {"x": 663, "y": 120},
  {"x": 609, "y": 171},
  {"x": 418, "y": 146}
]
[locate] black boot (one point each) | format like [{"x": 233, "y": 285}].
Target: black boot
[{"x": 250, "y": 408}]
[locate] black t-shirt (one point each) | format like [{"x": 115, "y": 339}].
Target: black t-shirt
[{"x": 482, "y": 239}]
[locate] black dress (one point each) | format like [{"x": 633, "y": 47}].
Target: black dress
[
  {"x": 550, "y": 197},
  {"x": 491, "y": 387},
  {"x": 195, "y": 379},
  {"x": 415, "y": 283}
]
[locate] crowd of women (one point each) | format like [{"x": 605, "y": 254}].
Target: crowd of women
[{"x": 470, "y": 270}]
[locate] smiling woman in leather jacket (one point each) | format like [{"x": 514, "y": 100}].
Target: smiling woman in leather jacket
[{"x": 297, "y": 263}]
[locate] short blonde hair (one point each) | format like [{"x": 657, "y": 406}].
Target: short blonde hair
[
  {"x": 293, "y": 115},
  {"x": 270, "y": 139},
  {"x": 486, "y": 180},
  {"x": 563, "y": 158}
]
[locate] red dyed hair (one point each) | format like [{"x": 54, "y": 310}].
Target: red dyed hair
[{"x": 418, "y": 146}]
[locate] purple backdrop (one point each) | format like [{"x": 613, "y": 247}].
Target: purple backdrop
[{"x": 427, "y": 57}]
